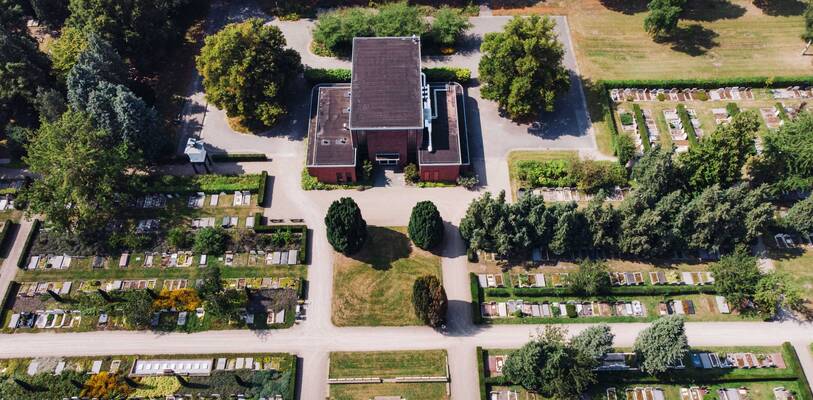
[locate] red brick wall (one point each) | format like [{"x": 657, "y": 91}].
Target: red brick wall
[
  {"x": 440, "y": 172},
  {"x": 328, "y": 174},
  {"x": 388, "y": 142}
]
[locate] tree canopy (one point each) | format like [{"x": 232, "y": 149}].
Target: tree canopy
[
  {"x": 425, "y": 225},
  {"x": 23, "y": 70},
  {"x": 551, "y": 367},
  {"x": 211, "y": 241},
  {"x": 521, "y": 68},
  {"x": 786, "y": 161},
  {"x": 736, "y": 277},
  {"x": 663, "y": 17},
  {"x": 591, "y": 279},
  {"x": 800, "y": 216},
  {"x": 661, "y": 345},
  {"x": 346, "y": 228},
  {"x": 449, "y": 25},
  {"x": 247, "y": 71},
  {"x": 429, "y": 300},
  {"x": 776, "y": 292},
  {"x": 65, "y": 50},
  {"x": 595, "y": 341},
  {"x": 83, "y": 177}
]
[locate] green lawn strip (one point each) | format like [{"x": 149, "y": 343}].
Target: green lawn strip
[
  {"x": 374, "y": 286},
  {"x": 192, "y": 272},
  {"x": 792, "y": 360},
  {"x": 387, "y": 364},
  {"x": 423, "y": 391}
]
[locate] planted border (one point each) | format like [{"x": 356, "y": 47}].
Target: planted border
[
  {"x": 481, "y": 373},
  {"x": 643, "y": 131},
  {"x": 344, "y": 75},
  {"x": 29, "y": 241},
  {"x": 209, "y": 183},
  {"x": 476, "y": 298},
  {"x": 756, "y": 81},
  {"x": 302, "y": 255},
  {"x": 686, "y": 120}
]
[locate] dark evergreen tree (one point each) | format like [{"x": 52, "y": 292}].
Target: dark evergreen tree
[
  {"x": 429, "y": 300},
  {"x": 425, "y": 225},
  {"x": 346, "y": 228}
]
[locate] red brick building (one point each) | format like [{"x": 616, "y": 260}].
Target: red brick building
[{"x": 389, "y": 115}]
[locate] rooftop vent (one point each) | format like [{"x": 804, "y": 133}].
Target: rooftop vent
[
  {"x": 325, "y": 142},
  {"x": 342, "y": 141}
]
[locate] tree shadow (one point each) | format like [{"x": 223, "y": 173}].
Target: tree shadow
[
  {"x": 780, "y": 8},
  {"x": 628, "y": 7},
  {"x": 383, "y": 247},
  {"x": 497, "y": 4},
  {"x": 694, "y": 40},
  {"x": 712, "y": 10}
]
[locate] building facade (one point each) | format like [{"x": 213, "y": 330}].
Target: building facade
[{"x": 388, "y": 114}]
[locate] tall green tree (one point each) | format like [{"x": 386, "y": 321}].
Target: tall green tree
[
  {"x": 663, "y": 17},
  {"x": 398, "y": 19},
  {"x": 211, "y": 241},
  {"x": 429, "y": 300},
  {"x": 570, "y": 232},
  {"x": 486, "y": 225},
  {"x": 800, "y": 216},
  {"x": 99, "y": 62},
  {"x": 777, "y": 292},
  {"x": 719, "y": 158},
  {"x": 50, "y": 12},
  {"x": 721, "y": 219},
  {"x": 335, "y": 30},
  {"x": 735, "y": 278},
  {"x": 661, "y": 345},
  {"x": 64, "y": 51},
  {"x": 346, "y": 228},
  {"x": 656, "y": 175},
  {"x": 23, "y": 70},
  {"x": 83, "y": 178},
  {"x": 651, "y": 231},
  {"x": 521, "y": 68},
  {"x": 425, "y": 225},
  {"x": 602, "y": 222},
  {"x": 247, "y": 71},
  {"x": 530, "y": 224},
  {"x": 448, "y": 26},
  {"x": 595, "y": 341},
  {"x": 550, "y": 366},
  {"x": 787, "y": 156}
]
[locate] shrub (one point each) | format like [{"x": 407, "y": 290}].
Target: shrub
[
  {"x": 553, "y": 173},
  {"x": 448, "y": 74},
  {"x": 105, "y": 385},
  {"x": 411, "y": 173},
  {"x": 732, "y": 109},
  {"x": 570, "y": 310},
  {"x": 661, "y": 96},
  {"x": 425, "y": 225},
  {"x": 591, "y": 176},
  {"x": 701, "y": 95},
  {"x": 624, "y": 149},
  {"x": 346, "y": 228},
  {"x": 157, "y": 386},
  {"x": 468, "y": 181},
  {"x": 186, "y": 299},
  {"x": 211, "y": 241},
  {"x": 626, "y": 118},
  {"x": 448, "y": 26},
  {"x": 783, "y": 114},
  {"x": 367, "y": 170},
  {"x": 178, "y": 238},
  {"x": 591, "y": 279}
]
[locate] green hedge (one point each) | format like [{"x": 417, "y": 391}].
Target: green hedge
[
  {"x": 643, "y": 131},
  {"x": 235, "y": 157},
  {"x": 476, "y": 298},
  {"x": 481, "y": 372},
  {"x": 713, "y": 83},
  {"x": 290, "y": 394},
  {"x": 642, "y": 290},
  {"x": 261, "y": 189},
  {"x": 327, "y": 75},
  {"x": 4, "y": 233},
  {"x": 302, "y": 256},
  {"x": 343, "y": 75},
  {"x": 29, "y": 241},
  {"x": 686, "y": 120},
  {"x": 208, "y": 183},
  {"x": 792, "y": 360}
]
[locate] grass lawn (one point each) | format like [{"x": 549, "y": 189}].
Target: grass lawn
[
  {"x": 801, "y": 268},
  {"x": 387, "y": 364},
  {"x": 374, "y": 286},
  {"x": 423, "y": 391},
  {"x": 725, "y": 38},
  {"x": 515, "y": 157}
]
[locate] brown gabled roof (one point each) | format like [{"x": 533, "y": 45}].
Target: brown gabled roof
[{"x": 386, "y": 84}]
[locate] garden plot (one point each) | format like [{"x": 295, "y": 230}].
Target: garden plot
[{"x": 271, "y": 375}]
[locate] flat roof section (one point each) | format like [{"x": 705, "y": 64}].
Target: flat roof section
[
  {"x": 386, "y": 84},
  {"x": 330, "y": 142},
  {"x": 449, "y": 141}
]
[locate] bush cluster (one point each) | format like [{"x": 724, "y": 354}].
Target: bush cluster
[
  {"x": 343, "y": 75},
  {"x": 587, "y": 175}
]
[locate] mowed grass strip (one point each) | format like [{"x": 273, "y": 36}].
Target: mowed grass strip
[
  {"x": 716, "y": 39},
  {"x": 423, "y": 391},
  {"x": 387, "y": 364},
  {"x": 374, "y": 286}
]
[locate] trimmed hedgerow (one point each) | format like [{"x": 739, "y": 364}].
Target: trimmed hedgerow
[
  {"x": 686, "y": 121},
  {"x": 236, "y": 157},
  {"x": 208, "y": 183},
  {"x": 643, "y": 131},
  {"x": 29, "y": 241},
  {"x": 757, "y": 81},
  {"x": 476, "y": 299},
  {"x": 481, "y": 373},
  {"x": 343, "y": 75},
  {"x": 261, "y": 189}
]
